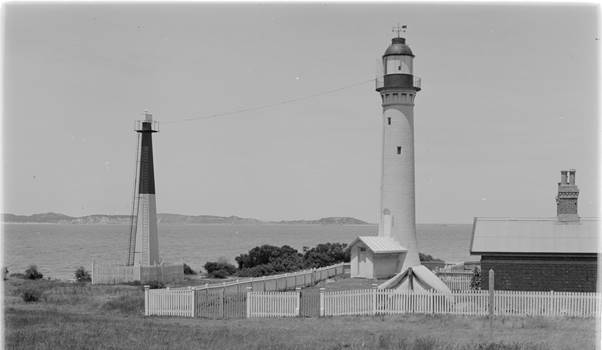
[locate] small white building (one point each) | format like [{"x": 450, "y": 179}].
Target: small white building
[{"x": 376, "y": 257}]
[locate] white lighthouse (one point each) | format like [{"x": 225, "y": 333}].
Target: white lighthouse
[
  {"x": 395, "y": 251},
  {"x": 398, "y": 88}
]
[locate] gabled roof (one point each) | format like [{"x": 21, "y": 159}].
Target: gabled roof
[
  {"x": 534, "y": 235},
  {"x": 380, "y": 244}
]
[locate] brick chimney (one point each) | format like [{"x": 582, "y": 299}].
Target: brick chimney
[{"x": 566, "y": 200}]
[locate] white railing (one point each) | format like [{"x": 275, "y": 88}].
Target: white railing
[
  {"x": 285, "y": 281},
  {"x": 546, "y": 303},
  {"x": 379, "y": 82},
  {"x": 417, "y": 82},
  {"x": 194, "y": 303},
  {"x": 458, "y": 303},
  {"x": 387, "y": 302},
  {"x": 273, "y": 304},
  {"x": 456, "y": 280},
  {"x": 390, "y": 302},
  {"x": 348, "y": 302},
  {"x": 169, "y": 302},
  {"x": 228, "y": 300},
  {"x": 519, "y": 303}
]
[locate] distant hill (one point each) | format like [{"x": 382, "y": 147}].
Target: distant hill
[
  {"x": 54, "y": 218},
  {"x": 328, "y": 221},
  {"x": 204, "y": 219}
]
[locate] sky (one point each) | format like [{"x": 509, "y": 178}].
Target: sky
[{"x": 509, "y": 98}]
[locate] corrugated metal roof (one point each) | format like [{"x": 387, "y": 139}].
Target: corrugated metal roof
[
  {"x": 380, "y": 244},
  {"x": 534, "y": 235}
]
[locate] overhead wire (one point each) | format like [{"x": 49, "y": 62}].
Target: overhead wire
[{"x": 270, "y": 105}]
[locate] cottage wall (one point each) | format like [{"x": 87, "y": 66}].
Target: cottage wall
[
  {"x": 386, "y": 265},
  {"x": 361, "y": 268},
  {"x": 557, "y": 272}
]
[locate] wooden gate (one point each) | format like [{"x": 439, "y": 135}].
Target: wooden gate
[
  {"x": 309, "y": 303},
  {"x": 220, "y": 304}
]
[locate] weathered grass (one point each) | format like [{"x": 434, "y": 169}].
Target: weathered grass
[
  {"x": 52, "y": 330},
  {"x": 74, "y": 316},
  {"x": 125, "y": 304}
]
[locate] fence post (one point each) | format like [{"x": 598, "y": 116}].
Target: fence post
[
  {"x": 194, "y": 302},
  {"x": 263, "y": 278},
  {"x": 222, "y": 296},
  {"x": 298, "y": 309},
  {"x": 93, "y": 273},
  {"x": 322, "y": 302},
  {"x": 374, "y": 288},
  {"x": 285, "y": 281},
  {"x": 491, "y": 291},
  {"x": 249, "y": 289},
  {"x": 146, "y": 301},
  {"x": 432, "y": 302}
]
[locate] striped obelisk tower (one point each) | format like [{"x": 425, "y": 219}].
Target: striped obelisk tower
[{"x": 144, "y": 242}]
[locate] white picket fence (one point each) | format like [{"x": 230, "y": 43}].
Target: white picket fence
[
  {"x": 169, "y": 302},
  {"x": 280, "y": 282},
  {"x": 273, "y": 304},
  {"x": 389, "y": 302},
  {"x": 347, "y": 302},
  {"x": 456, "y": 280},
  {"x": 547, "y": 303},
  {"x": 227, "y": 300}
]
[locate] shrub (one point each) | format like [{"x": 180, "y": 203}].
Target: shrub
[
  {"x": 81, "y": 275},
  {"x": 188, "y": 270},
  {"x": 32, "y": 273},
  {"x": 268, "y": 260},
  {"x": 428, "y": 257},
  {"x": 475, "y": 280},
  {"x": 30, "y": 295},
  {"x": 257, "y": 271},
  {"x": 219, "y": 269},
  {"x": 268, "y": 254},
  {"x": 325, "y": 254}
]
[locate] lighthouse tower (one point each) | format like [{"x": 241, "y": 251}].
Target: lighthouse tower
[
  {"x": 398, "y": 88},
  {"x": 144, "y": 242}
]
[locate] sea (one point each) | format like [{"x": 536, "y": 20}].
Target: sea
[{"x": 59, "y": 249}]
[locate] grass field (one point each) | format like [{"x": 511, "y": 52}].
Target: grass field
[{"x": 72, "y": 316}]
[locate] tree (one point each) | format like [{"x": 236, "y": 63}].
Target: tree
[
  {"x": 475, "y": 280},
  {"x": 326, "y": 254},
  {"x": 220, "y": 268},
  {"x": 428, "y": 257},
  {"x": 267, "y": 259},
  {"x": 268, "y": 254},
  {"x": 188, "y": 270},
  {"x": 32, "y": 273},
  {"x": 81, "y": 275}
]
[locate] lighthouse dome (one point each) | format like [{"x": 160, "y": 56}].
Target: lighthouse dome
[{"x": 398, "y": 47}]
